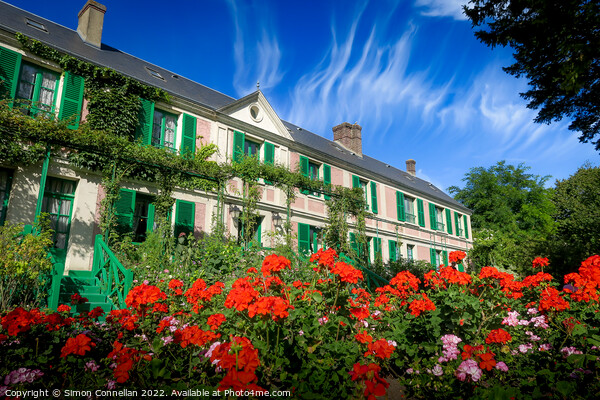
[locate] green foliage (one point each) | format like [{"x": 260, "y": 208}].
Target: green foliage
[
  {"x": 556, "y": 47},
  {"x": 345, "y": 202},
  {"x": 577, "y": 202},
  {"x": 24, "y": 265},
  {"x": 416, "y": 267},
  {"x": 509, "y": 207}
]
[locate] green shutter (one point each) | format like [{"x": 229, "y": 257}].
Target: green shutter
[
  {"x": 304, "y": 171},
  {"x": 460, "y": 267},
  {"x": 466, "y": 228},
  {"x": 432, "y": 220},
  {"x": 304, "y": 166},
  {"x": 355, "y": 182},
  {"x": 377, "y": 247},
  {"x": 303, "y": 238},
  {"x": 368, "y": 251},
  {"x": 354, "y": 244},
  {"x": 10, "y": 62},
  {"x": 445, "y": 257},
  {"x": 188, "y": 143},
  {"x": 457, "y": 223},
  {"x": 432, "y": 258},
  {"x": 421, "y": 212},
  {"x": 269, "y": 157},
  {"x": 124, "y": 208},
  {"x": 374, "y": 198},
  {"x": 150, "y": 223},
  {"x": 239, "y": 140},
  {"x": 327, "y": 178},
  {"x": 184, "y": 217},
  {"x": 259, "y": 232},
  {"x": 400, "y": 206},
  {"x": 449, "y": 221},
  {"x": 393, "y": 247},
  {"x": 269, "y": 149},
  {"x": 143, "y": 131},
  {"x": 71, "y": 99}
]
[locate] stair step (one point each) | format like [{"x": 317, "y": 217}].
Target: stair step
[
  {"x": 79, "y": 281},
  {"x": 65, "y": 298},
  {"x": 86, "y": 307},
  {"x": 80, "y": 274},
  {"x": 85, "y": 289}
]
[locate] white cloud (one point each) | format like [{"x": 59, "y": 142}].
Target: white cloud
[
  {"x": 442, "y": 8},
  {"x": 256, "y": 59},
  {"x": 365, "y": 81}
]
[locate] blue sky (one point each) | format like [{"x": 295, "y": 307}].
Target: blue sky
[{"x": 410, "y": 72}]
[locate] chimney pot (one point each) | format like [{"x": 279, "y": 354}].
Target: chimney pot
[
  {"x": 91, "y": 21},
  {"x": 411, "y": 167},
  {"x": 349, "y": 136}
]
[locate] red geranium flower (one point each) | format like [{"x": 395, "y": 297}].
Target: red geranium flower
[
  {"x": 380, "y": 349},
  {"x": 78, "y": 345},
  {"x": 347, "y": 272},
  {"x": 363, "y": 337},
  {"x": 418, "y": 306},
  {"x": 498, "y": 336},
  {"x": 540, "y": 262},
  {"x": 215, "y": 321},
  {"x": 274, "y": 263},
  {"x": 144, "y": 295}
]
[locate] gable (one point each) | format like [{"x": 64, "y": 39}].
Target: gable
[{"x": 255, "y": 110}]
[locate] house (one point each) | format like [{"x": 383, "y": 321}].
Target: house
[{"x": 408, "y": 216}]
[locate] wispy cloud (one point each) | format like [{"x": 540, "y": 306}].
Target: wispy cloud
[
  {"x": 365, "y": 80},
  {"x": 442, "y": 8},
  {"x": 257, "y": 55}
]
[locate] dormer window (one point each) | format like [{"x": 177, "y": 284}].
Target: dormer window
[
  {"x": 36, "y": 25},
  {"x": 155, "y": 74}
]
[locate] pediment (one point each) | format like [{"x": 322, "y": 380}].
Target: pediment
[{"x": 254, "y": 109}]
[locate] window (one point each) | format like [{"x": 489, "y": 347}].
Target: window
[
  {"x": 438, "y": 257},
  {"x": 37, "y": 89},
  {"x": 409, "y": 209},
  {"x": 460, "y": 223},
  {"x": 252, "y": 231},
  {"x": 377, "y": 251},
  {"x": 5, "y": 183},
  {"x": 58, "y": 203},
  {"x": 360, "y": 251},
  {"x": 135, "y": 214},
  {"x": 362, "y": 184},
  {"x": 143, "y": 217},
  {"x": 308, "y": 238},
  {"x": 310, "y": 170},
  {"x": 410, "y": 249},
  {"x": 251, "y": 149},
  {"x": 164, "y": 127},
  {"x": 185, "y": 216},
  {"x": 436, "y": 217}
]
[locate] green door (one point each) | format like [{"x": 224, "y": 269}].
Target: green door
[{"x": 58, "y": 203}]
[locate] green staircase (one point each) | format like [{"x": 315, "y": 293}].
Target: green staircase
[
  {"x": 105, "y": 286},
  {"x": 86, "y": 285}
]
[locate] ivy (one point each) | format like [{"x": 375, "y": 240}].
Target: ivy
[{"x": 104, "y": 143}]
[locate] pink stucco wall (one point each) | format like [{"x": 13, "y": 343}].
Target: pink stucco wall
[
  {"x": 390, "y": 203},
  {"x": 200, "y": 219},
  {"x": 101, "y": 195},
  {"x": 294, "y": 161},
  {"x": 270, "y": 195},
  {"x": 84, "y": 110},
  {"x": 423, "y": 253},
  {"x": 316, "y": 206},
  {"x": 202, "y": 133},
  {"x": 337, "y": 176},
  {"x": 298, "y": 203}
]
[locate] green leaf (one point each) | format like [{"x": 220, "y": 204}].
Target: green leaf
[{"x": 565, "y": 388}]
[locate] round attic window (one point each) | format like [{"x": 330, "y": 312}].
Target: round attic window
[{"x": 255, "y": 113}]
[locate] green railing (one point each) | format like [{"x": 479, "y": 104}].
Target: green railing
[{"x": 115, "y": 280}]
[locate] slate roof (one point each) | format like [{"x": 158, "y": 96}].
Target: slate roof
[{"x": 14, "y": 19}]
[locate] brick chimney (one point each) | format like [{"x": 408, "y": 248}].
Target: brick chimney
[
  {"x": 91, "y": 20},
  {"x": 411, "y": 167},
  {"x": 349, "y": 136}
]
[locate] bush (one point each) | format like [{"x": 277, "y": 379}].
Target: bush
[
  {"x": 24, "y": 265},
  {"x": 450, "y": 335}
]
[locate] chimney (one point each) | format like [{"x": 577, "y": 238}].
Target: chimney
[
  {"x": 411, "y": 167},
  {"x": 349, "y": 136},
  {"x": 91, "y": 20}
]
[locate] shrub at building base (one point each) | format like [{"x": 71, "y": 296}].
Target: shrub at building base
[{"x": 450, "y": 335}]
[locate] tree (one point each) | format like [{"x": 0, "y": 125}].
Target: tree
[
  {"x": 556, "y": 47},
  {"x": 512, "y": 214},
  {"x": 577, "y": 202}
]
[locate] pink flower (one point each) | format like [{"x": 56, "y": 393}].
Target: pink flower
[
  {"x": 91, "y": 366},
  {"x": 323, "y": 320},
  {"x": 437, "y": 370},
  {"x": 468, "y": 368},
  {"x": 512, "y": 319},
  {"x": 532, "y": 311},
  {"x": 545, "y": 347},
  {"x": 540, "y": 322},
  {"x": 500, "y": 365},
  {"x": 532, "y": 337},
  {"x": 567, "y": 351},
  {"x": 524, "y": 348}
]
